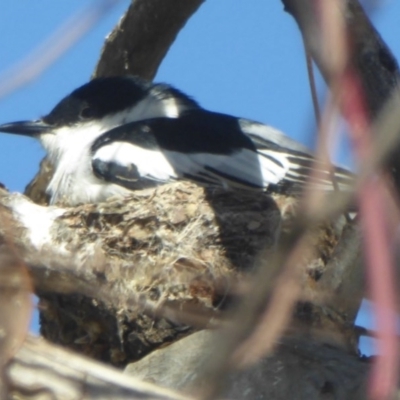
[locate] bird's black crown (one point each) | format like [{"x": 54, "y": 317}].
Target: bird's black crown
[
  {"x": 98, "y": 98},
  {"x": 106, "y": 96}
]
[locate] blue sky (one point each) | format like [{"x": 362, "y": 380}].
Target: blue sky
[{"x": 239, "y": 57}]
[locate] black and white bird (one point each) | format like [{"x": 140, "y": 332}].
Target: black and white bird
[{"x": 113, "y": 135}]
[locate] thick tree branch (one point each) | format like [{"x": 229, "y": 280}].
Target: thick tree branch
[
  {"x": 375, "y": 64},
  {"x": 373, "y": 61},
  {"x": 299, "y": 368},
  {"x": 41, "y": 370},
  {"x": 139, "y": 42}
]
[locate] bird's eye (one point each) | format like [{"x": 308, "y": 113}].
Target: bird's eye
[{"x": 87, "y": 112}]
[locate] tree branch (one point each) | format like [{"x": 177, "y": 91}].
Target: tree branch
[
  {"x": 371, "y": 58},
  {"x": 298, "y": 368},
  {"x": 375, "y": 64},
  {"x": 42, "y": 370},
  {"x": 142, "y": 38}
]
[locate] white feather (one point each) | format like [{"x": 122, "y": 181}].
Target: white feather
[{"x": 150, "y": 164}]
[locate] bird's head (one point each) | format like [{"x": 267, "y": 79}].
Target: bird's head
[{"x": 98, "y": 106}]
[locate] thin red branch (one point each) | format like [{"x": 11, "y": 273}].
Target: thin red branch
[
  {"x": 377, "y": 243},
  {"x": 346, "y": 83}
]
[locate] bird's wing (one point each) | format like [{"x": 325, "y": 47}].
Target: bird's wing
[
  {"x": 125, "y": 163},
  {"x": 205, "y": 147},
  {"x": 302, "y": 166}
]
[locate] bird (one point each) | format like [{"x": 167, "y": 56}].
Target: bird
[{"x": 117, "y": 134}]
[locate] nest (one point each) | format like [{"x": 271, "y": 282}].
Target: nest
[{"x": 176, "y": 255}]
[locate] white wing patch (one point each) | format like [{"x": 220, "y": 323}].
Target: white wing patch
[
  {"x": 151, "y": 164},
  {"x": 301, "y": 168}
]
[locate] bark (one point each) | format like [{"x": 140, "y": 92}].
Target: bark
[
  {"x": 375, "y": 64},
  {"x": 142, "y": 38},
  {"x": 299, "y": 368},
  {"x": 41, "y": 371}
]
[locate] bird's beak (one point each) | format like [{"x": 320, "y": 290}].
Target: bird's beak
[{"x": 26, "y": 128}]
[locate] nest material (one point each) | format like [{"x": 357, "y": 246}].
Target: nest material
[{"x": 177, "y": 254}]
